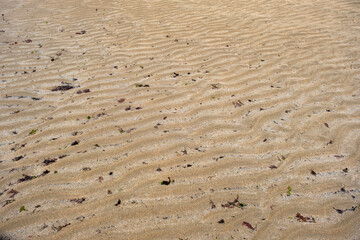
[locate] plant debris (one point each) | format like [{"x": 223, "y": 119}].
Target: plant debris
[
  {"x": 327, "y": 125},
  {"x": 118, "y": 202},
  {"x": 8, "y": 202},
  {"x": 212, "y": 204},
  {"x": 81, "y": 32},
  {"x": 60, "y": 227},
  {"x": 18, "y": 158},
  {"x": 234, "y": 203},
  {"x": 288, "y": 191},
  {"x": 313, "y": 173},
  {"x": 353, "y": 208},
  {"x": 167, "y": 182},
  {"x": 78, "y": 200},
  {"x": 62, "y": 88},
  {"x": 49, "y": 161},
  {"x": 22, "y": 208},
  {"x": 100, "y": 179},
  {"x": 248, "y": 225},
  {"x": 301, "y": 218},
  {"x": 86, "y": 169},
  {"x": 32, "y": 132},
  {"x": 83, "y": 91},
  {"x": 75, "y": 143},
  {"x": 26, "y": 178},
  {"x": 44, "y": 173},
  {"x": 272, "y": 167},
  {"x": 13, "y": 192},
  {"x": 238, "y": 103},
  {"x": 221, "y": 221},
  {"x": 28, "y": 41},
  {"x": 121, "y": 100},
  {"x": 142, "y": 85}
]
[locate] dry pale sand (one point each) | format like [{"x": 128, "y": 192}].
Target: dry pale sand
[{"x": 251, "y": 107}]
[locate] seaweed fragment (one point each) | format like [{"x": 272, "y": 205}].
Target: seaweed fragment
[
  {"x": 167, "y": 182},
  {"x": 301, "y": 218},
  {"x": 248, "y": 225},
  {"x": 49, "y": 161},
  {"x": 62, "y": 88},
  {"x": 234, "y": 203},
  {"x": 117, "y": 203},
  {"x": 78, "y": 200}
]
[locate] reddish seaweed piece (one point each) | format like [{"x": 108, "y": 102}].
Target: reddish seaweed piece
[
  {"x": 121, "y": 100},
  {"x": 272, "y": 167},
  {"x": 327, "y": 125},
  {"x": 301, "y": 218},
  {"x": 248, "y": 225}
]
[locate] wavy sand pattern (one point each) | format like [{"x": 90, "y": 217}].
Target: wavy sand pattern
[{"x": 251, "y": 107}]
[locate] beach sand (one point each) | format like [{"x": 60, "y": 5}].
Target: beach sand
[{"x": 251, "y": 108}]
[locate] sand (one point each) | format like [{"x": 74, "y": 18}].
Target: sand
[{"x": 251, "y": 108}]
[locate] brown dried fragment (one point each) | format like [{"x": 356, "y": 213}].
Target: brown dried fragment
[
  {"x": 8, "y": 202},
  {"x": 339, "y": 156},
  {"x": 13, "y": 192},
  {"x": 301, "y": 218},
  {"x": 28, "y": 41},
  {"x": 272, "y": 167},
  {"x": 18, "y": 158},
  {"x": 221, "y": 221},
  {"x": 62, "y": 88},
  {"x": 60, "y": 227},
  {"x": 234, "y": 203},
  {"x": 118, "y": 203},
  {"x": 44, "y": 173},
  {"x": 121, "y": 100},
  {"x": 212, "y": 204},
  {"x": 100, "y": 179},
  {"x": 86, "y": 169},
  {"x": 313, "y": 173},
  {"x": 49, "y": 161},
  {"x": 81, "y": 32},
  {"x": 26, "y": 178},
  {"x": 78, "y": 200},
  {"x": 238, "y": 103},
  {"x": 327, "y": 125},
  {"x": 248, "y": 225}
]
